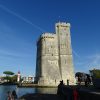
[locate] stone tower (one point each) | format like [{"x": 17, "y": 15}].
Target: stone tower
[
  {"x": 65, "y": 52},
  {"x": 54, "y": 57}
]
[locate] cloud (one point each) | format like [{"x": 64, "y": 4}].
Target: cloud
[
  {"x": 87, "y": 63},
  {"x": 75, "y": 53},
  {"x": 21, "y": 18},
  {"x": 95, "y": 60},
  {"x": 7, "y": 54}
]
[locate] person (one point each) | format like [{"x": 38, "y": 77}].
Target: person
[
  {"x": 59, "y": 91},
  {"x": 75, "y": 94},
  {"x": 14, "y": 95},
  {"x": 79, "y": 80},
  {"x": 67, "y": 82},
  {"x": 9, "y": 97}
]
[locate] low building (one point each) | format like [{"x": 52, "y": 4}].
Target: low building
[
  {"x": 28, "y": 79},
  {"x": 1, "y": 79}
]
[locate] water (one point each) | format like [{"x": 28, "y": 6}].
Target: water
[{"x": 22, "y": 91}]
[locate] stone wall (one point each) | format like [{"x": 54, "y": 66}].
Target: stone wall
[{"x": 54, "y": 57}]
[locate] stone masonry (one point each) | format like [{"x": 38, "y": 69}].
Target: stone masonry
[{"x": 54, "y": 57}]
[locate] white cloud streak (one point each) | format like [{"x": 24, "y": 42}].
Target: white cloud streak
[
  {"x": 76, "y": 54},
  {"x": 88, "y": 63},
  {"x": 21, "y": 17}
]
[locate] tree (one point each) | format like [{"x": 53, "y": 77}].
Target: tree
[
  {"x": 14, "y": 78},
  {"x": 78, "y": 74},
  {"x": 95, "y": 73},
  {"x": 8, "y": 73}
]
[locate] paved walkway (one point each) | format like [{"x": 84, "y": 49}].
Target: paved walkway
[{"x": 41, "y": 97}]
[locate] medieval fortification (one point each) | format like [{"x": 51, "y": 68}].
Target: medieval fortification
[{"x": 54, "y": 57}]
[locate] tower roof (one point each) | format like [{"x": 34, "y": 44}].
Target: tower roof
[{"x": 63, "y": 24}]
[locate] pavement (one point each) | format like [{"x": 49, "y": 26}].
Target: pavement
[{"x": 38, "y": 96}]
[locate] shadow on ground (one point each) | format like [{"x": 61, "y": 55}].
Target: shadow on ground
[{"x": 41, "y": 97}]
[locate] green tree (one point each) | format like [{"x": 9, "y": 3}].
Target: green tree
[
  {"x": 95, "y": 73},
  {"x": 8, "y": 73},
  {"x": 14, "y": 78}
]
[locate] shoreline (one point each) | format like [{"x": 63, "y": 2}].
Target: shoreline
[
  {"x": 28, "y": 85},
  {"x": 35, "y": 85}
]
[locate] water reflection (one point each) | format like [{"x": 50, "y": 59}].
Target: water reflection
[
  {"x": 46, "y": 90},
  {"x": 4, "y": 90},
  {"x": 22, "y": 91}
]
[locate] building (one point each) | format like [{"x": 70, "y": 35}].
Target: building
[
  {"x": 54, "y": 57},
  {"x": 28, "y": 79},
  {"x": 1, "y": 79}
]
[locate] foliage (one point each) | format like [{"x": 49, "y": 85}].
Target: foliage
[
  {"x": 80, "y": 74},
  {"x": 7, "y": 78},
  {"x": 8, "y": 73},
  {"x": 14, "y": 78},
  {"x": 96, "y": 73}
]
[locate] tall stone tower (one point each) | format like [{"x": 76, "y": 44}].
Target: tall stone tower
[
  {"x": 54, "y": 57},
  {"x": 65, "y": 52}
]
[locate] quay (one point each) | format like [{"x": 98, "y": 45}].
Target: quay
[
  {"x": 34, "y": 85},
  {"x": 66, "y": 93},
  {"x": 84, "y": 93}
]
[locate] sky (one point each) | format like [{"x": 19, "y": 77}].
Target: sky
[{"x": 23, "y": 21}]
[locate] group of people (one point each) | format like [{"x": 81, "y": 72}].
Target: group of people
[
  {"x": 11, "y": 95},
  {"x": 69, "y": 93},
  {"x": 87, "y": 80}
]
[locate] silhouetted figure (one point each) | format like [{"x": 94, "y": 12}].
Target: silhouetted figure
[
  {"x": 88, "y": 80},
  {"x": 59, "y": 91},
  {"x": 79, "y": 80},
  {"x": 14, "y": 95},
  {"x": 67, "y": 82},
  {"x": 75, "y": 94},
  {"x": 9, "y": 96}
]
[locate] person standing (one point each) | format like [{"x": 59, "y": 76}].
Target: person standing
[
  {"x": 14, "y": 95},
  {"x": 9, "y": 96},
  {"x": 75, "y": 94}
]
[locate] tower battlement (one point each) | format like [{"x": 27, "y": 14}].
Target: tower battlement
[
  {"x": 63, "y": 24},
  {"x": 47, "y": 35}
]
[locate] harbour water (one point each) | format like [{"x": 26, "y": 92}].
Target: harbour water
[{"x": 22, "y": 91}]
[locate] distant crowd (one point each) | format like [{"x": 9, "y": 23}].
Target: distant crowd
[
  {"x": 11, "y": 95},
  {"x": 67, "y": 93},
  {"x": 87, "y": 80}
]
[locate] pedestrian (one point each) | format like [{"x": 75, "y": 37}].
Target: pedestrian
[
  {"x": 75, "y": 94},
  {"x": 67, "y": 82},
  {"x": 14, "y": 95},
  {"x": 9, "y": 96},
  {"x": 60, "y": 86}
]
